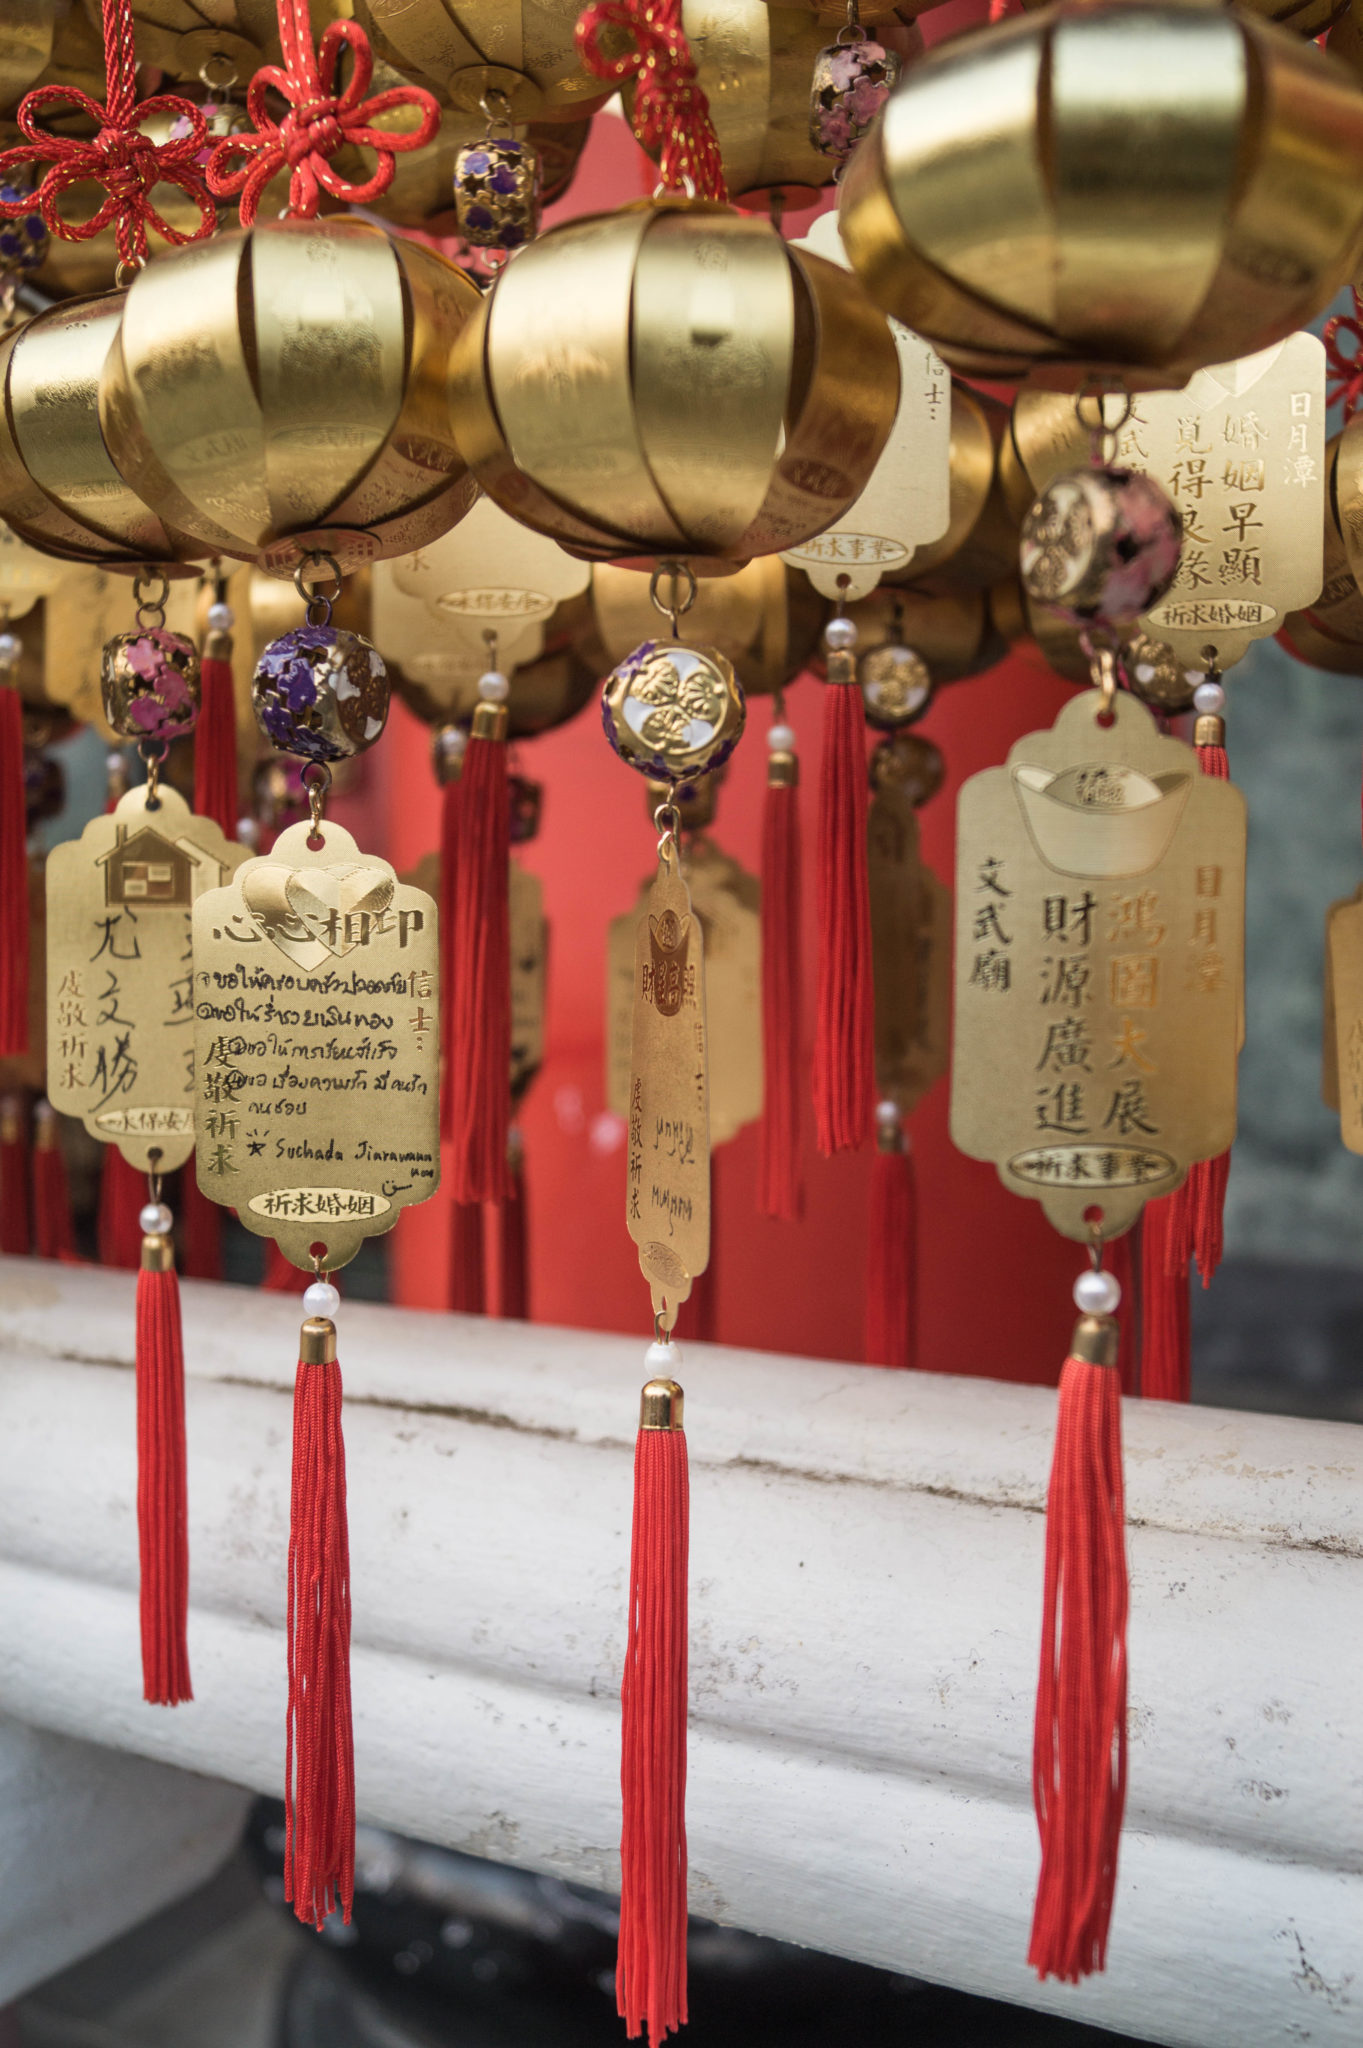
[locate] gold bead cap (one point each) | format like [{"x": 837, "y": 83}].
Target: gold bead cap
[{"x": 660, "y": 1405}]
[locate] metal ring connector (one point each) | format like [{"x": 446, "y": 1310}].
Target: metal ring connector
[
  {"x": 679, "y": 605},
  {"x": 314, "y": 595},
  {"x": 316, "y": 780}
]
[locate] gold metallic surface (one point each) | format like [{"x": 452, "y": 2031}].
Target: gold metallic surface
[
  {"x": 661, "y": 1405},
  {"x": 764, "y": 620},
  {"x": 755, "y": 64},
  {"x": 1099, "y": 965},
  {"x": 1146, "y": 186},
  {"x": 910, "y": 950},
  {"x": 490, "y": 722},
  {"x": 1329, "y": 633},
  {"x": 675, "y": 711},
  {"x": 158, "y": 1253},
  {"x": 1095, "y": 1340},
  {"x": 980, "y": 542},
  {"x": 459, "y": 46},
  {"x": 27, "y": 28},
  {"x": 952, "y": 634},
  {"x": 317, "y": 1341},
  {"x": 269, "y": 384},
  {"x": 1209, "y": 730}
]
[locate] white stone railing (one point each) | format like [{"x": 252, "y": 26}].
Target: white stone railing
[{"x": 866, "y": 1571}]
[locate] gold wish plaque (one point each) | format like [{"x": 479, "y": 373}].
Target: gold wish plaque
[
  {"x": 1343, "y": 1051},
  {"x": 728, "y": 902},
  {"x": 910, "y": 952},
  {"x": 667, "y": 1167},
  {"x": 317, "y": 1046},
  {"x": 120, "y": 1000},
  {"x": 1100, "y": 889},
  {"x": 1241, "y": 452}
]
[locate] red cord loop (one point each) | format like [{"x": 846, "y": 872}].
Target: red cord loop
[
  {"x": 318, "y": 122},
  {"x": 120, "y": 157},
  {"x": 1346, "y": 371},
  {"x": 671, "y": 113}
]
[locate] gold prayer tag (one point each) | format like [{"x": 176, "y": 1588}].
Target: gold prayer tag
[
  {"x": 1100, "y": 888},
  {"x": 489, "y": 572},
  {"x": 120, "y": 1000},
  {"x": 667, "y": 1198},
  {"x": 727, "y": 900},
  {"x": 1343, "y": 1061},
  {"x": 908, "y": 499},
  {"x": 910, "y": 952},
  {"x": 317, "y": 1045},
  {"x": 1241, "y": 451}
]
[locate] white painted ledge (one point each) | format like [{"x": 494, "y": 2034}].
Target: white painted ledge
[{"x": 866, "y": 1571}]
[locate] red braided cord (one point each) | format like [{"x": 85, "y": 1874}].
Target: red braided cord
[
  {"x": 671, "y": 113},
  {"x": 127, "y": 163},
  {"x": 1346, "y": 370},
  {"x": 319, "y": 121}
]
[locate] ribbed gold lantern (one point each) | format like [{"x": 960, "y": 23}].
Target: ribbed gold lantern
[
  {"x": 59, "y": 488},
  {"x": 1329, "y": 633},
  {"x": 281, "y": 391},
  {"x": 465, "y": 49},
  {"x": 953, "y": 635},
  {"x": 1139, "y": 185},
  {"x": 219, "y": 42},
  {"x": 673, "y": 380},
  {"x": 765, "y": 621}
]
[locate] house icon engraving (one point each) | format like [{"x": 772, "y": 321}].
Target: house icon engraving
[{"x": 147, "y": 870}]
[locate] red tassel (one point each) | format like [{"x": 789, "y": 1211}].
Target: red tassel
[
  {"x": 53, "y": 1236},
  {"x": 1120, "y": 1258},
  {"x": 319, "y": 1844},
  {"x": 479, "y": 992},
  {"x": 122, "y": 1191},
  {"x": 1079, "y": 1749},
  {"x": 467, "y": 1292},
  {"x": 13, "y": 876},
  {"x": 16, "y": 1239},
  {"x": 513, "y": 1298},
  {"x": 449, "y": 765},
  {"x": 780, "y": 1192},
  {"x": 215, "y": 734},
  {"x": 281, "y": 1275},
  {"x": 650, "y": 1976},
  {"x": 162, "y": 1511},
  {"x": 843, "y": 1043},
  {"x": 892, "y": 1252},
  {"x": 1166, "y": 1354},
  {"x": 203, "y": 1229}
]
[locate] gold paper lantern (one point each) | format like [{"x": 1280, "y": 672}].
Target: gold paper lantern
[
  {"x": 281, "y": 390},
  {"x": 765, "y": 621},
  {"x": 59, "y": 488},
  {"x": 673, "y": 380},
  {"x": 1329, "y": 633},
  {"x": 464, "y": 49},
  {"x": 1146, "y": 186}
]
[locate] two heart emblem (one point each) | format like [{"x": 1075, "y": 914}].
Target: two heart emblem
[{"x": 314, "y": 914}]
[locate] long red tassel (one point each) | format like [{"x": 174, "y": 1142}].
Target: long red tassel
[
  {"x": 13, "y": 876},
  {"x": 16, "y": 1240},
  {"x": 203, "y": 1229},
  {"x": 1166, "y": 1352},
  {"x": 844, "y": 1042},
  {"x": 467, "y": 1291},
  {"x": 162, "y": 1491},
  {"x": 450, "y": 747},
  {"x": 479, "y": 993},
  {"x": 1121, "y": 1263},
  {"x": 650, "y": 1977},
  {"x": 53, "y": 1234},
  {"x": 122, "y": 1191},
  {"x": 780, "y": 1190},
  {"x": 319, "y": 1820},
  {"x": 215, "y": 734},
  {"x": 281, "y": 1276},
  {"x": 892, "y": 1250},
  {"x": 1079, "y": 1749},
  {"x": 513, "y": 1277}
]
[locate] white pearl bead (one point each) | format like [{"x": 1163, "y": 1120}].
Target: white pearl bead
[
  {"x": 453, "y": 742},
  {"x": 1209, "y": 698},
  {"x": 248, "y": 832},
  {"x": 155, "y": 1219},
  {"x": 662, "y": 1360},
  {"x": 839, "y": 633},
  {"x": 1097, "y": 1294},
  {"x": 887, "y": 1115},
  {"x": 221, "y": 618},
  {"x": 1145, "y": 672},
  {"x": 493, "y": 687},
  {"x": 321, "y": 1299},
  {"x": 11, "y": 647},
  {"x": 781, "y": 739}
]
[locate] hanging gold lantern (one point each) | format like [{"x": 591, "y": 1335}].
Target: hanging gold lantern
[
  {"x": 1146, "y": 186},
  {"x": 673, "y": 380},
  {"x": 980, "y": 544},
  {"x": 910, "y": 641},
  {"x": 59, "y": 488},
  {"x": 219, "y": 42},
  {"x": 465, "y": 49},
  {"x": 279, "y": 391},
  {"x": 422, "y": 192},
  {"x": 765, "y": 620},
  {"x": 1329, "y": 633}
]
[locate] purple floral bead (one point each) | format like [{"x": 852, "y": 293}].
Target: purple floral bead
[
  {"x": 497, "y": 193},
  {"x": 24, "y": 242},
  {"x": 320, "y": 692}
]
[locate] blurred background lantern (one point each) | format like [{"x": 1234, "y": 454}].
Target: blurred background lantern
[
  {"x": 458, "y": 49},
  {"x": 932, "y": 639},
  {"x": 980, "y": 543},
  {"x": 489, "y": 583},
  {"x": 279, "y": 391},
  {"x": 765, "y": 620},
  {"x": 1149, "y": 187},
  {"x": 59, "y": 488},
  {"x": 1329, "y": 633},
  {"x": 673, "y": 380}
]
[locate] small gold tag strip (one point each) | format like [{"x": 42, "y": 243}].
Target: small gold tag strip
[
  {"x": 667, "y": 1185},
  {"x": 529, "y": 965},
  {"x": 1099, "y": 965},
  {"x": 120, "y": 998},
  {"x": 1343, "y": 1061},
  {"x": 317, "y": 1046},
  {"x": 910, "y": 952}
]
